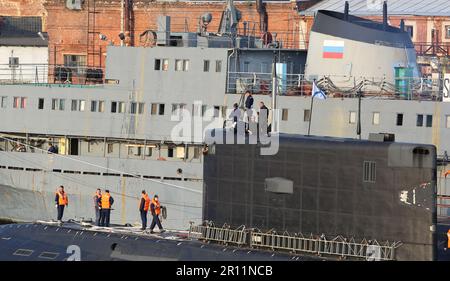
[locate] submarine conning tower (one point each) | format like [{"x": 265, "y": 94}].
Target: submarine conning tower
[{"x": 350, "y": 50}]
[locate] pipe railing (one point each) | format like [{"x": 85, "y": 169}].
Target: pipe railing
[
  {"x": 338, "y": 246},
  {"x": 409, "y": 88},
  {"x": 49, "y": 74}
]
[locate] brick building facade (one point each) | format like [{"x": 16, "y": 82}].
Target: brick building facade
[{"x": 74, "y": 33}]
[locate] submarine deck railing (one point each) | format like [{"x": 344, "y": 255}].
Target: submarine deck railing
[{"x": 319, "y": 245}]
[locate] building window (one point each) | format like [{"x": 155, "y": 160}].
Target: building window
[
  {"x": 101, "y": 106},
  {"x": 141, "y": 107},
  {"x": 3, "y": 101},
  {"x": 177, "y": 109},
  {"x": 20, "y": 102},
  {"x": 76, "y": 63},
  {"x": 206, "y": 66},
  {"x": 97, "y": 106},
  {"x": 419, "y": 120},
  {"x": 133, "y": 107},
  {"x": 78, "y": 105},
  {"x": 157, "y": 64},
  {"x": 178, "y": 65},
  {"x": 121, "y": 107},
  {"x": 369, "y": 171},
  {"x": 74, "y": 105},
  {"x": 23, "y": 102},
  {"x": 162, "y": 64},
  {"x": 196, "y": 152},
  {"x": 410, "y": 30},
  {"x": 113, "y": 107},
  {"x": 429, "y": 121},
  {"x": 376, "y": 118},
  {"x": 399, "y": 121},
  {"x": 93, "y": 106},
  {"x": 306, "y": 115},
  {"x": 137, "y": 107},
  {"x": 198, "y": 110},
  {"x": 352, "y": 117},
  {"x": 148, "y": 151},
  {"x": 110, "y": 148},
  {"x": 58, "y": 104},
  {"x": 185, "y": 65},
  {"x": 157, "y": 109},
  {"x": 41, "y": 103},
  {"x": 170, "y": 152},
  {"x": 216, "y": 112},
  {"x": 447, "y": 31},
  {"x": 447, "y": 121},
  {"x": 218, "y": 66},
  {"x": 284, "y": 114},
  {"x": 165, "y": 64},
  {"x": 181, "y": 65},
  {"x": 138, "y": 151},
  {"x": 16, "y": 102},
  {"x": 154, "y": 110},
  {"x": 13, "y": 62},
  {"x": 130, "y": 150}
]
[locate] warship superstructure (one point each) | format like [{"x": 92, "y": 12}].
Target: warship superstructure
[{"x": 122, "y": 128}]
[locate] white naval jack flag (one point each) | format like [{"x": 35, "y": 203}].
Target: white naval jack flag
[{"x": 317, "y": 92}]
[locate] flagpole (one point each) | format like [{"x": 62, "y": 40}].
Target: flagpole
[
  {"x": 311, "y": 109},
  {"x": 310, "y": 114}
]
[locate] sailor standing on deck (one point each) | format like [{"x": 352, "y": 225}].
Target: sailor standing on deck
[
  {"x": 97, "y": 196},
  {"x": 61, "y": 201},
  {"x": 155, "y": 208},
  {"x": 106, "y": 201},
  {"x": 143, "y": 208}
]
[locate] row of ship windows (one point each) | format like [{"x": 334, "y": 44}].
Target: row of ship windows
[
  {"x": 100, "y": 174},
  {"x": 198, "y": 110},
  {"x": 183, "y": 65},
  {"x": 120, "y": 107},
  {"x": 421, "y": 119}
]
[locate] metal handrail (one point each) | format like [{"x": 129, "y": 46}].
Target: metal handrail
[
  {"x": 50, "y": 74},
  {"x": 319, "y": 245}
]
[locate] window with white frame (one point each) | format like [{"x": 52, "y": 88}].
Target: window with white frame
[
  {"x": 78, "y": 105},
  {"x": 376, "y": 118},
  {"x": 352, "y": 117},
  {"x": 3, "y": 101},
  {"x": 58, "y": 104},
  {"x": 20, "y": 102}
]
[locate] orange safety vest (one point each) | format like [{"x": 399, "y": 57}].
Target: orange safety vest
[
  {"x": 105, "y": 201},
  {"x": 448, "y": 239},
  {"x": 62, "y": 198},
  {"x": 147, "y": 202},
  {"x": 157, "y": 206}
]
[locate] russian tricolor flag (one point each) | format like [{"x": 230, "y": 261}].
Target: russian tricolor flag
[{"x": 333, "y": 49}]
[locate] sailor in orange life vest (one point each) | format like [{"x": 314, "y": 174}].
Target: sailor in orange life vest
[
  {"x": 61, "y": 201},
  {"x": 144, "y": 205},
  {"x": 155, "y": 208},
  {"x": 106, "y": 201},
  {"x": 97, "y": 195},
  {"x": 448, "y": 239}
]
